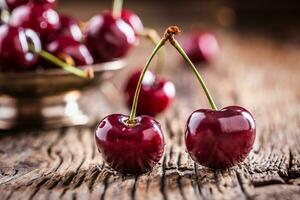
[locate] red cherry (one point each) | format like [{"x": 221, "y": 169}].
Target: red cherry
[
  {"x": 155, "y": 96},
  {"x": 14, "y": 48},
  {"x": 130, "y": 149},
  {"x": 220, "y": 139},
  {"x": 201, "y": 46},
  {"x": 67, "y": 46},
  {"x": 133, "y": 20},
  {"x": 12, "y": 4},
  {"x": 109, "y": 37},
  {"x": 41, "y": 18}
]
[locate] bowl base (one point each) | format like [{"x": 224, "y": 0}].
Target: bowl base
[{"x": 47, "y": 112}]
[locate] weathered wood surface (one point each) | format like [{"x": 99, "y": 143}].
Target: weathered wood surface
[{"x": 254, "y": 72}]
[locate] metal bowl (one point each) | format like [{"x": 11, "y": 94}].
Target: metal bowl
[{"x": 47, "y": 98}]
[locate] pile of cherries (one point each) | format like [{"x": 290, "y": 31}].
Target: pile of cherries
[
  {"x": 134, "y": 144},
  {"x": 30, "y": 28}
]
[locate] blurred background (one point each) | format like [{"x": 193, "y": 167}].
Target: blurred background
[
  {"x": 255, "y": 36},
  {"x": 275, "y": 17}
]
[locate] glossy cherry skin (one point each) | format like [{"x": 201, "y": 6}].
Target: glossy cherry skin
[
  {"x": 201, "y": 47},
  {"x": 41, "y": 18},
  {"x": 156, "y": 93},
  {"x": 67, "y": 46},
  {"x": 70, "y": 27},
  {"x": 12, "y": 4},
  {"x": 108, "y": 37},
  {"x": 130, "y": 149},
  {"x": 220, "y": 139},
  {"x": 14, "y": 48},
  {"x": 133, "y": 20}
]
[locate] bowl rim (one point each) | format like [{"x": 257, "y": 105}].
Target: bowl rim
[{"x": 100, "y": 67}]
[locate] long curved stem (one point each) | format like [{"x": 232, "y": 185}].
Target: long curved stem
[
  {"x": 87, "y": 73},
  {"x": 139, "y": 85},
  {"x": 117, "y": 8},
  {"x": 154, "y": 37},
  {"x": 194, "y": 69}
]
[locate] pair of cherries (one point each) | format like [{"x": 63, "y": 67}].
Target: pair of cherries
[
  {"x": 106, "y": 37},
  {"x": 214, "y": 138}
]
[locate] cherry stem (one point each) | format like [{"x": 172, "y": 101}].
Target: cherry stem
[
  {"x": 87, "y": 73},
  {"x": 170, "y": 35},
  {"x": 117, "y": 8},
  {"x": 160, "y": 44},
  {"x": 154, "y": 37}
]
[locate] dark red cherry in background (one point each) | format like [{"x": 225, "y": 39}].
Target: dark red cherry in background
[
  {"x": 220, "y": 139},
  {"x": 67, "y": 46},
  {"x": 130, "y": 149},
  {"x": 39, "y": 17},
  {"x": 14, "y": 48},
  {"x": 156, "y": 93},
  {"x": 12, "y": 4},
  {"x": 201, "y": 46},
  {"x": 109, "y": 37}
]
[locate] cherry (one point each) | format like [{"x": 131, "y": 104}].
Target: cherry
[
  {"x": 12, "y": 4},
  {"x": 41, "y": 18},
  {"x": 130, "y": 148},
  {"x": 15, "y": 48},
  {"x": 66, "y": 47},
  {"x": 220, "y": 139},
  {"x": 109, "y": 37},
  {"x": 201, "y": 46},
  {"x": 155, "y": 96},
  {"x": 133, "y": 20}
]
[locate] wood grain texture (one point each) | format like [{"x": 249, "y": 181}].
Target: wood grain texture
[{"x": 253, "y": 72}]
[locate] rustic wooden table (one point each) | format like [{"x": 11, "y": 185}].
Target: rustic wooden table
[{"x": 253, "y": 71}]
